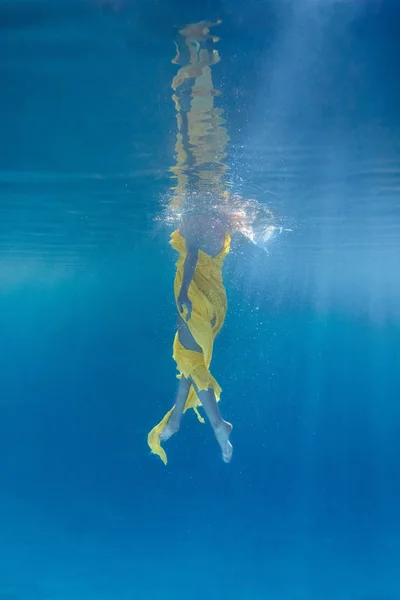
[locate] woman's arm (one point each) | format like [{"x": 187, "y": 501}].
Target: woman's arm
[
  {"x": 189, "y": 230},
  {"x": 189, "y": 267}
]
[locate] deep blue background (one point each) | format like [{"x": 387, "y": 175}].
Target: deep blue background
[{"x": 308, "y": 358}]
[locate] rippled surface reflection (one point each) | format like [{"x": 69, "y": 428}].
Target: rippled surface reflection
[{"x": 88, "y": 134}]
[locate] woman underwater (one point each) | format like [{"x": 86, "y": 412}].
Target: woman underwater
[
  {"x": 203, "y": 241},
  {"x": 208, "y": 218}
]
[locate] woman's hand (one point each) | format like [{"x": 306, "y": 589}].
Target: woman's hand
[{"x": 185, "y": 302}]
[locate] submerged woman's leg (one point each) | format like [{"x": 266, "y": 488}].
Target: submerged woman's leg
[
  {"x": 185, "y": 336},
  {"x": 175, "y": 419},
  {"x": 222, "y": 429}
]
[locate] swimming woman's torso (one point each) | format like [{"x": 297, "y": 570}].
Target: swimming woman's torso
[{"x": 205, "y": 233}]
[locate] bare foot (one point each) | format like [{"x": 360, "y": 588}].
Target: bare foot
[
  {"x": 168, "y": 431},
  {"x": 222, "y": 433}
]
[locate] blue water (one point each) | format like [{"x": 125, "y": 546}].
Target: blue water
[{"x": 309, "y": 355}]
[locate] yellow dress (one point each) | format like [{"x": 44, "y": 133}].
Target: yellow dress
[{"x": 208, "y": 297}]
